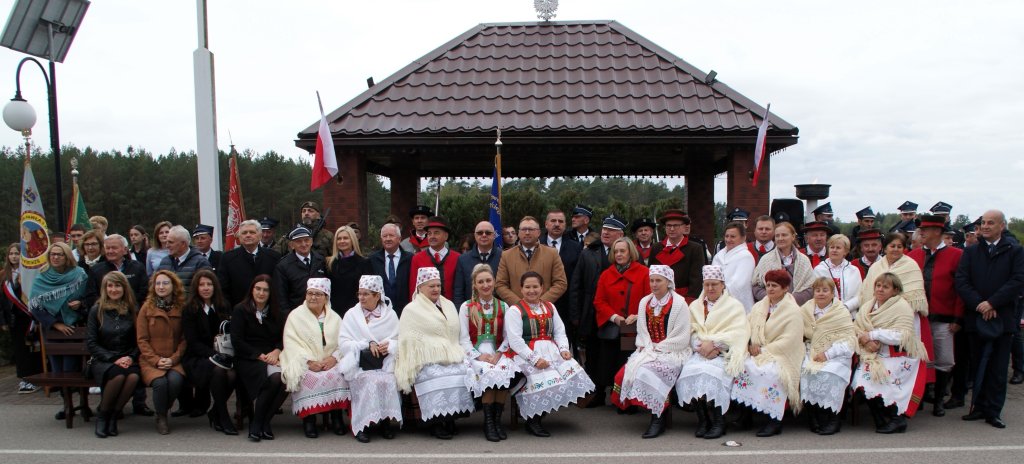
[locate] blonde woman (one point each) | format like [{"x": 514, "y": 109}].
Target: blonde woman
[
  {"x": 111, "y": 340},
  {"x": 158, "y": 247},
  {"x": 829, "y": 340},
  {"x": 845, "y": 276},
  {"x": 483, "y": 339},
  {"x": 344, "y": 267},
  {"x": 785, "y": 256}
]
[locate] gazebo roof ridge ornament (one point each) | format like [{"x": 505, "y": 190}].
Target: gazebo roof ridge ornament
[{"x": 545, "y": 9}]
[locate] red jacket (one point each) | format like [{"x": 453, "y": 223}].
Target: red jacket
[
  {"x": 425, "y": 258},
  {"x": 612, "y": 287},
  {"x": 944, "y": 303}
]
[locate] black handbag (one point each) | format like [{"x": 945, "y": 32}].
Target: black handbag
[
  {"x": 369, "y": 362},
  {"x": 990, "y": 329}
]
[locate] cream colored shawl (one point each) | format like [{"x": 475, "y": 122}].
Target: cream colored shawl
[
  {"x": 803, "y": 273},
  {"x": 910, "y": 275},
  {"x": 895, "y": 314},
  {"x": 726, "y": 323},
  {"x": 425, "y": 336},
  {"x": 781, "y": 340},
  {"x": 835, "y": 326},
  {"x": 676, "y": 344},
  {"x": 303, "y": 341}
]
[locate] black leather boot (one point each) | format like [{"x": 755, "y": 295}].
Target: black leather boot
[
  {"x": 877, "y": 412},
  {"x": 101, "y": 424},
  {"x": 489, "y": 432},
  {"x": 831, "y": 423},
  {"x": 941, "y": 380},
  {"x": 701, "y": 408},
  {"x": 534, "y": 427},
  {"x": 772, "y": 428},
  {"x": 716, "y": 421},
  {"x": 337, "y": 422},
  {"x": 656, "y": 428},
  {"x": 499, "y": 410},
  {"x": 897, "y": 422},
  {"x": 813, "y": 416},
  {"x": 309, "y": 426}
]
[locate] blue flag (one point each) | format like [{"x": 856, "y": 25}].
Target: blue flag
[{"x": 494, "y": 206}]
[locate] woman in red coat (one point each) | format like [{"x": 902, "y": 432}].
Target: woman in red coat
[{"x": 619, "y": 291}]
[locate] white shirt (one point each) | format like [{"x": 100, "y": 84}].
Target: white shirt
[
  {"x": 443, "y": 252},
  {"x": 557, "y": 242}
]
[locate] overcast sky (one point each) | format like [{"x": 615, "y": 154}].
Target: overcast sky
[{"x": 918, "y": 100}]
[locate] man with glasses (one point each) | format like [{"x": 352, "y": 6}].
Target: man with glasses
[
  {"x": 530, "y": 255},
  {"x": 686, "y": 258},
  {"x": 482, "y": 252}
]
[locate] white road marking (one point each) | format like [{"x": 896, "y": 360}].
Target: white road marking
[{"x": 548, "y": 456}]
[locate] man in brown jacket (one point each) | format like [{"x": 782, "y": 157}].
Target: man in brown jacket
[{"x": 529, "y": 255}]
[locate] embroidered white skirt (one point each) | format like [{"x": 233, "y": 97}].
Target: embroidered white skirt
[
  {"x": 442, "y": 390},
  {"x": 903, "y": 372},
  {"x": 826, "y": 388},
  {"x": 321, "y": 392},
  {"x": 705, "y": 378},
  {"x": 375, "y": 398},
  {"x": 548, "y": 390},
  {"x": 759, "y": 387},
  {"x": 654, "y": 381},
  {"x": 484, "y": 375}
]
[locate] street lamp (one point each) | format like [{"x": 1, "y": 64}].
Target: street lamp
[{"x": 20, "y": 116}]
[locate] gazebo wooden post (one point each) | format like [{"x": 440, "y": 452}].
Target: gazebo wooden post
[
  {"x": 740, "y": 192},
  {"x": 347, "y": 199},
  {"x": 700, "y": 200}
]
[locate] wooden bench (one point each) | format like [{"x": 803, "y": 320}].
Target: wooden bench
[{"x": 56, "y": 343}]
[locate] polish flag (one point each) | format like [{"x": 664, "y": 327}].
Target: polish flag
[
  {"x": 761, "y": 150},
  {"x": 325, "y": 162}
]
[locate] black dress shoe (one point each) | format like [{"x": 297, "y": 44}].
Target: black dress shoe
[
  {"x": 1017, "y": 379},
  {"x": 897, "y": 425},
  {"x": 362, "y": 437},
  {"x": 772, "y": 428},
  {"x": 438, "y": 430},
  {"x": 534, "y": 427},
  {"x": 309, "y": 427},
  {"x": 996, "y": 422},
  {"x": 974, "y": 415},
  {"x": 656, "y": 428},
  {"x": 254, "y": 437},
  {"x": 386, "y": 431},
  {"x": 142, "y": 410}
]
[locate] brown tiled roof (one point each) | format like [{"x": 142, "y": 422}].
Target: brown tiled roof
[{"x": 554, "y": 77}]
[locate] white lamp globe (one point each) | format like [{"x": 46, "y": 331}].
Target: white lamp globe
[{"x": 19, "y": 115}]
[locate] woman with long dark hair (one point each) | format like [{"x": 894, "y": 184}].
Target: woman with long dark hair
[
  {"x": 112, "y": 344},
  {"x": 209, "y": 373},
  {"x": 256, "y": 330}
]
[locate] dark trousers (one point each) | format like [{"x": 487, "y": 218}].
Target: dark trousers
[
  {"x": 962, "y": 369},
  {"x": 26, "y": 361},
  {"x": 989, "y": 399},
  {"x": 1017, "y": 352},
  {"x": 609, "y": 358}
]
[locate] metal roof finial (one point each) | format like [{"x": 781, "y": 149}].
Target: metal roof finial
[{"x": 545, "y": 9}]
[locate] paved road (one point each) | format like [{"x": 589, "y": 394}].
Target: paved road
[{"x": 29, "y": 434}]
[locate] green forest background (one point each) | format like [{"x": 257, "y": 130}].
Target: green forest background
[{"x": 136, "y": 186}]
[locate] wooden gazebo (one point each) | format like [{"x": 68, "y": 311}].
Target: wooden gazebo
[{"x": 589, "y": 98}]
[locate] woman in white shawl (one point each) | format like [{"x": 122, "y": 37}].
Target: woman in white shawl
[
  {"x": 785, "y": 256},
  {"x": 369, "y": 332},
  {"x": 771, "y": 375},
  {"x": 662, "y": 346},
  {"x": 430, "y": 360},
  {"x": 719, "y": 343},
  {"x": 737, "y": 263},
  {"x": 891, "y": 372},
  {"x": 844, "y": 275},
  {"x": 309, "y": 361},
  {"x": 483, "y": 338},
  {"x": 829, "y": 339},
  {"x": 535, "y": 332}
]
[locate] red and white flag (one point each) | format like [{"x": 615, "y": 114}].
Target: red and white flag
[
  {"x": 236, "y": 207},
  {"x": 325, "y": 162},
  {"x": 761, "y": 150}
]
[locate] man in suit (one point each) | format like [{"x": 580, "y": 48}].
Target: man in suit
[
  {"x": 391, "y": 263},
  {"x": 482, "y": 252},
  {"x": 569, "y": 252},
  {"x": 183, "y": 260},
  {"x": 990, "y": 279},
  {"x": 530, "y": 256},
  {"x": 295, "y": 268},
  {"x": 115, "y": 251},
  {"x": 581, "y": 232},
  {"x": 202, "y": 239},
  {"x": 593, "y": 261},
  {"x": 240, "y": 266}
]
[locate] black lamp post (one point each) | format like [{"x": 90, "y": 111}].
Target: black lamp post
[{"x": 20, "y": 116}]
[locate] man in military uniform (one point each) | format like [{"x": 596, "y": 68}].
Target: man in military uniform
[
  {"x": 824, "y": 214},
  {"x": 202, "y": 239},
  {"x": 417, "y": 239},
  {"x": 865, "y": 220},
  {"x": 323, "y": 240},
  {"x": 942, "y": 209},
  {"x": 268, "y": 239},
  {"x": 581, "y": 232},
  {"x": 908, "y": 213},
  {"x": 970, "y": 234}
]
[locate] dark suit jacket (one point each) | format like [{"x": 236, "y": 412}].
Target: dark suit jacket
[
  {"x": 464, "y": 273},
  {"x": 236, "y": 271},
  {"x": 397, "y": 291},
  {"x": 290, "y": 278},
  {"x": 569, "y": 251},
  {"x": 214, "y": 257},
  {"x": 593, "y": 261}
]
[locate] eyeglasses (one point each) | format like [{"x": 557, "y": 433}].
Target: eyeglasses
[
  {"x": 311, "y": 294},
  {"x": 528, "y": 229},
  {"x": 162, "y": 283},
  {"x": 484, "y": 232},
  {"x": 56, "y": 255}
]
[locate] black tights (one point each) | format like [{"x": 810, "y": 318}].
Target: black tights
[
  {"x": 117, "y": 391},
  {"x": 221, "y": 381},
  {"x": 271, "y": 397}
]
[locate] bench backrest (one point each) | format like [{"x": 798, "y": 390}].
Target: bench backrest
[{"x": 56, "y": 343}]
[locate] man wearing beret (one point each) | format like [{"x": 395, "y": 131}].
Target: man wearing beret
[
  {"x": 323, "y": 240},
  {"x": 686, "y": 258}
]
